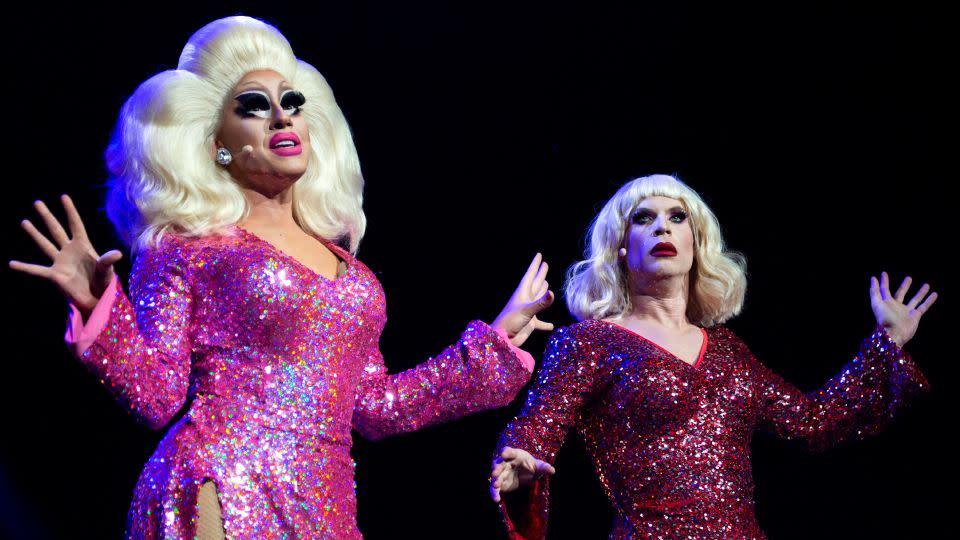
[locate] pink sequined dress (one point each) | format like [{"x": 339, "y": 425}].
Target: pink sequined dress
[
  {"x": 670, "y": 441},
  {"x": 277, "y": 364}
]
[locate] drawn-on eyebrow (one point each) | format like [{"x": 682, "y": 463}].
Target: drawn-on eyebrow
[
  {"x": 650, "y": 211},
  {"x": 254, "y": 91},
  {"x": 284, "y": 85}
]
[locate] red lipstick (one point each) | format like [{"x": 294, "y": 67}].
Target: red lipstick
[
  {"x": 285, "y": 149},
  {"x": 664, "y": 249}
]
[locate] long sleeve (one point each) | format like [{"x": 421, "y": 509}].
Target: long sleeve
[
  {"x": 80, "y": 336},
  {"x": 141, "y": 350},
  {"x": 859, "y": 401},
  {"x": 563, "y": 387},
  {"x": 481, "y": 371}
]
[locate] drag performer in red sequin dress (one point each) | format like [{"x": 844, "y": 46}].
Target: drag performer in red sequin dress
[
  {"x": 235, "y": 179},
  {"x": 665, "y": 397}
]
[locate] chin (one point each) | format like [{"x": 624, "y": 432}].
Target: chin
[{"x": 291, "y": 169}]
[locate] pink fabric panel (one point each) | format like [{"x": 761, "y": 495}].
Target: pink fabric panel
[{"x": 80, "y": 336}]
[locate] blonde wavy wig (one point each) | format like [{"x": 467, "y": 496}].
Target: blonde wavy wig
[
  {"x": 596, "y": 288},
  {"x": 162, "y": 175}
]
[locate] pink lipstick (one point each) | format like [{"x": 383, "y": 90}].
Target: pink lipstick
[{"x": 285, "y": 144}]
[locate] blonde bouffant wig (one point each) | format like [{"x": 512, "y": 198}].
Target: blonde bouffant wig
[
  {"x": 163, "y": 177},
  {"x": 596, "y": 288}
]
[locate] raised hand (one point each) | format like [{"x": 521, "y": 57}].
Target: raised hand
[
  {"x": 76, "y": 269},
  {"x": 533, "y": 295},
  {"x": 898, "y": 318},
  {"x": 515, "y": 468}
]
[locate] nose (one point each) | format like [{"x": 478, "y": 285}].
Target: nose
[
  {"x": 662, "y": 226},
  {"x": 280, "y": 119}
]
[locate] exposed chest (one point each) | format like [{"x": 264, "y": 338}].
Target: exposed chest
[
  {"x": 251, "y": 293},
  {"x": 304, "y": 251}
]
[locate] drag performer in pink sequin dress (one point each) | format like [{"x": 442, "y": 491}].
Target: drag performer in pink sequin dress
[
  {"x": 270, "y": 354},
  {"x": 669, "y": 432}
]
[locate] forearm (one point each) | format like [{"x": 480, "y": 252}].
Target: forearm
[
  {"x": 149, "y": 383},
  {"x": 84, "y": 326},
  {"x": 481, "y": 371},
  {"x": 861, "y": 400}
]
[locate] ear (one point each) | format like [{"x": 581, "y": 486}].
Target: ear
[{"x": 212, "y": 150}]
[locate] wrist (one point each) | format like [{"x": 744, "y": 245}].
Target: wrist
[
  {"x": 895, "y": 336},
  {"x": 500, "y": 324},
  {"x": 84, "y": 308}
]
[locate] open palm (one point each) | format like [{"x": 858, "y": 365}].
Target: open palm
[
  {"x": 898, "y": 318},
  {"x": 77, "y": 270}
]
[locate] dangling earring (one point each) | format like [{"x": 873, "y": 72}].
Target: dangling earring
[
  {"x": 622, "y": 252},
  {"x": 224, "y": 157}
]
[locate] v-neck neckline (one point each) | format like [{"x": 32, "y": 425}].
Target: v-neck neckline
[
  {"x": 338, "y": 252},
  {"x": 695, "y": 365}
]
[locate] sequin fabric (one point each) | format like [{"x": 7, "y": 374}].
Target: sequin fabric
[
  {"x": 670, "y": 441},
  {"x": 277, "y": 364}
]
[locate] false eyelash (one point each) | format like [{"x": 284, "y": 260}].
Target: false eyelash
[
  {"x": 292, "y": 100},
  {"x": 636, "y": 217},
  {"x": 248, "y": 102}
]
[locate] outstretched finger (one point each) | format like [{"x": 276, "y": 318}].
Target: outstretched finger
[
  {"x": 53, "y": 225},
  {"x": 902, "y": 290},
  {"x": 884, "y": 286},
  {"x": 104, "y": 267},
  {"x": 531, "y": 272},
  {"x": 875, "y": 289},
  {"x": 922, "y": 308},
  {"x": 509, "y": 453},
  {"x": 109, "y": 258},
  {"x": 73, "y": 217},
  {"x": 919, "y": 296},
  {"x": 540, "y": 278},
  {"x": 542, "y": 325},
  {"x": 45, "y": 245},
  {"x": 32, "y": 269}
]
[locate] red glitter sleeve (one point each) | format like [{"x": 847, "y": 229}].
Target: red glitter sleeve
[
  {"x": 479, "y": 372},
  {"x": 563, "y": 386},
  {"x": 142, "y": 354},
  {"x": 859, "y": 401}
]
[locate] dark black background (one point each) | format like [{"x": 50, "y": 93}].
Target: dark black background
[{"x": 818, "y": 133}]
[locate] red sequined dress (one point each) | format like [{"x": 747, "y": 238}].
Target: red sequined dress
[
  {"x": 277, "y": 364},
  {"x": 670, "y": 441}
]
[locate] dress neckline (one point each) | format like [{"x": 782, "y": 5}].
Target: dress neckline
[
  {"x": 340, "y": 253},
  {"x": 695, "y": 365}
]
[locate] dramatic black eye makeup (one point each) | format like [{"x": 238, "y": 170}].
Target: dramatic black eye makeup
[
  {"x": 257, "y": 103},
  {"x": 291, "y": 100},
  {"x": 253, "y": 103},
  {"x": 645, "y": 216}
]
